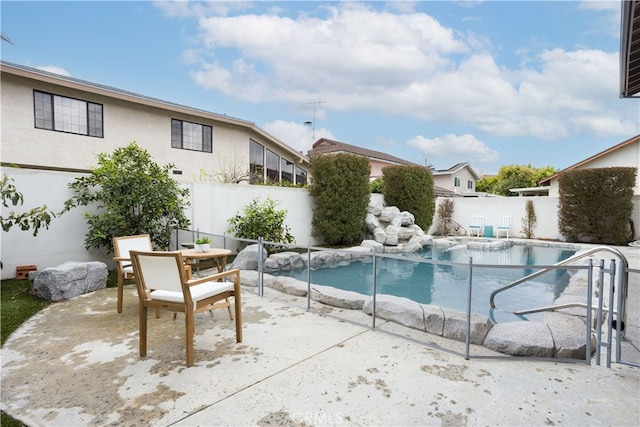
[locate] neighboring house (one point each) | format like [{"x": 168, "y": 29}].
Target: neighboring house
[
  {"x": 460, "y": 179},
  {"x": 377, "y": 159},
  {"x": 50, "y": 121},
  {"x": 625, "y": 154}
]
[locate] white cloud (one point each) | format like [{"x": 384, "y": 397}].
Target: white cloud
[
  {"x": 54, "y": 69},
  {"x": 405, "y": 64},
  {"x": 449, "y": 149},
  {"x": 296, "y": 135}
]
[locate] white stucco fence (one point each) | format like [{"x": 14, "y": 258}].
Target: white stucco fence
[{"x": 212, "y": 205}]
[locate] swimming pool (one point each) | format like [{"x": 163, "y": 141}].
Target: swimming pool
[{"x": 446, "y": 285}]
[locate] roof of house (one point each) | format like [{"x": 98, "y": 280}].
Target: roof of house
[
  {"x": 325, "y": 145},
  {"x": 633, "y": 140},
  {"x": 455, "y": 168},
  {"x": 630, "y": 49},
  {"x": 111, "y": 92}
]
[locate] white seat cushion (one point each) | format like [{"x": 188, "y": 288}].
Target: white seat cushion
[
  {"x": 127, "y": 269},
  {"x": 198, "y": 292}
]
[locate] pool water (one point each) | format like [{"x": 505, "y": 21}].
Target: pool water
[{"x": 447, "y": 285}]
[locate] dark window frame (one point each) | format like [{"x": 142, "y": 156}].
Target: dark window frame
[
  {"x": 47, "y": 117},
  {"x": 179, "y": 134}
]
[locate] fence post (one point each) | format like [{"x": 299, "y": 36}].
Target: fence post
[
  {"x": 260, "y": 268},
  {"x": 375, "y": 291},
  {"x": 468, "y": 337},
  {"x": 308, "y": 276},
  {"x": 589, "y": 310}
]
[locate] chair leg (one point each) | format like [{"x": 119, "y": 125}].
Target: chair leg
[
  {"x": 120, "y": 292},
  {"x": 229, "y": 309},
  {"x": 143, "y": 329},
  {"x": 189, "y": 329},
  {"x": 238, "y": 308}
]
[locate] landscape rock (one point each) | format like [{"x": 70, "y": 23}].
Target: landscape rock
[
  {"x": 337, "y": 297},
  {"x": 247, "y": 259},
  {"x": 518, "y": 338},
  {"x": 70, "y": 279},
  {"x": 455, "y": 326}
]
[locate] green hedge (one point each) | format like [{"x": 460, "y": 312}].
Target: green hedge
[
  {"x": 410, "y": 188},
  {"x": 341, "y": 190},
  {"x": 596, "y": 205}
]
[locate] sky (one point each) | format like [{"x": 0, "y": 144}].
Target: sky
[{"x": 492, "y": 83}]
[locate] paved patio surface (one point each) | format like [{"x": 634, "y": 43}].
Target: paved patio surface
[{"x": 76, "y": 363}]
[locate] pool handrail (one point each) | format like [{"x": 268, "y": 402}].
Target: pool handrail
[{"x": 588, "y": 252}]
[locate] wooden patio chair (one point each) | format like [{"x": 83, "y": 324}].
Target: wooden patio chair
[
  {"x": 164, "y": 272},
  {"x": 122, "y": 246}
]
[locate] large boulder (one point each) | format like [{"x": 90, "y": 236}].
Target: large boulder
[
  {"x": 518, "y": 338},
  {"x": 70, "y": 279},
  {"x": 247, "y": 259}
]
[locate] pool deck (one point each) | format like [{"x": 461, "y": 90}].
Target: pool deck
[{"x": 76, "y": 363}]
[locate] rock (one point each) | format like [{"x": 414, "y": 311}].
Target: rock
[
  {"x": 397, "y": 309},
  {"x": 289, "y": 285},
  {"x": 337, "y": 297},
  {"x": 287, "y": 260},
  {"x": 569, "y": 335},
  {"x": 521, "y": 339},
  {"x": 70, "y": 279},
  {"x": 455, "y": 326},
  {"x": 247, "y": 259}
]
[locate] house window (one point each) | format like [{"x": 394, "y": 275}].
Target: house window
[
  {"x": 456, "y": 182},
  {"x": 301, "y": 176},
  {"x": 191, "y": 136},
  {"x": 256, "y": 162},
  {"x": 62, "y": 114},
  {"x": 273, "y": 167},
  {"x": 470, "y": 185},
  {"x": 287, "y": 170}
]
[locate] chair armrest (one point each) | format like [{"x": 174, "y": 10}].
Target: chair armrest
[
  {"x": 213, "y": 277},
  {"x": 119, "y": 258}
]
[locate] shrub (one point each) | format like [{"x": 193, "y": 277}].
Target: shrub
[
  {"x": 341, "y": 191},
  {"x": 133, "y": 195},
  {"x": 410, "y": 188},
  {"x": 445, "y": 212},
  {"x": 596, "y": 204},
  {"x": 377, "y": 186},
  {"x": 262, "y": 220},
  {"x": 529, "y": 220}
]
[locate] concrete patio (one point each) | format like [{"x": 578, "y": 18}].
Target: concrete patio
[{"x": 76, "y": 363}]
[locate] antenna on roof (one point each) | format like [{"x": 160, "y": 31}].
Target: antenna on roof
[{"x": 313, "y": 123}]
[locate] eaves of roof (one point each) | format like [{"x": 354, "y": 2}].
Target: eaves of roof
[
  {"x": 635, "y": 139},
  {"x": 630, "y": 49},
  {"x": 325, "y": 145},
  {"x": 111, "y": 92},
  {"x": 455, "y": 168}
]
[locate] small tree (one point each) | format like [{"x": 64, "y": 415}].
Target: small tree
[
  {"x": 262, "y": 220},
  {"x": 33, "y": 219},
  {"x": 410, "y": 188},
  {"x": 341, "y": 191},
  {"x": 133, "y": 195},
  {"x": 529, "y": 220},
  {"x": 445, "y": 212}
]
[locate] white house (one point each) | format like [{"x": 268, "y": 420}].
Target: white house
[
  {"x": 624, "y": 154},
  {"x": 56, "y": 122},
  {"x": 460, "y": 179}
]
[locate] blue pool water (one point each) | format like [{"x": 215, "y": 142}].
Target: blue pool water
[{"x": 447, "y": 285}]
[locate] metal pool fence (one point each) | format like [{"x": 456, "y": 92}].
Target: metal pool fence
[{"x": 602, "y": 321}]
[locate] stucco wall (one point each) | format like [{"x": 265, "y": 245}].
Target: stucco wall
[{"x": 211, "y": 206}]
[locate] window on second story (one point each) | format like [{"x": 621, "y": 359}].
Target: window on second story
[
  {"x": 470, "y": 185},
  {"x": 287, "y": 170},
  {"x": 63, "y": 114},
  {"x": 456, "y": 182},
  {"x": 191, "y": 136},
  {"x": 273, "y": 167},
  {"x": 301, "y": 176},
  {"x": 256, "y": 162}
]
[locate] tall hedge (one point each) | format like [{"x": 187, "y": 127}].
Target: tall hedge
[
  {"x": 341, "y": 190},
  {"x": 410, "y": 188},
  {"x": 596, "y": 204}
]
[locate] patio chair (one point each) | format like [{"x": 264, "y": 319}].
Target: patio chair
[
  {"x": 164, "y": 272},
  {"x": 504, "y": 227},
  {"x": 477, "y": 225},
  {"x": 121, "y": 249}
]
